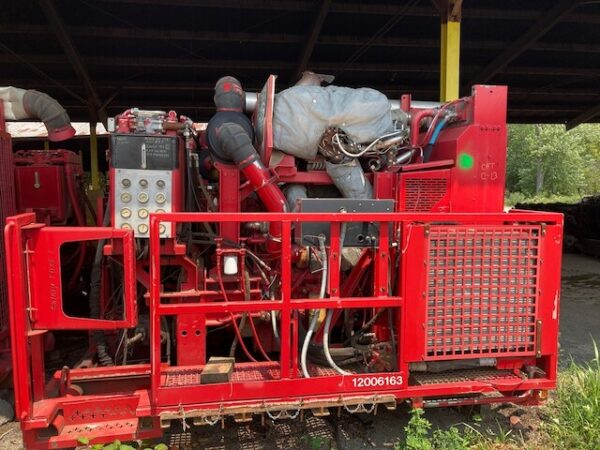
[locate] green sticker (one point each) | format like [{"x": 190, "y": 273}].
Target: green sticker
[{"x": 465, "y": 161}]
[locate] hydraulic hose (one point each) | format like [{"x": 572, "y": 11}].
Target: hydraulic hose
[
  {"x": 330, "y": 360},
  {"x": 328, "y": 357},
  {"x": 433, "y": 139},
  {"x": 437, "y": 130},
  {"x": 80, "y": 217},
  {"x": 98, "y": 337},
  {"x": 274, "y": 324},
  {"x": 415, "y": 123},
  {"x": 259, "y": 345},
  {"x": 315, "y": 317},
  {"x": 238, "y": 334}
]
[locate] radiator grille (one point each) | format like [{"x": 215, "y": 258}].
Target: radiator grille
[
  {"x": 482, "y": 289},
  {"x": 422, "y": 194},
  {"x": 7, "y": 208}
]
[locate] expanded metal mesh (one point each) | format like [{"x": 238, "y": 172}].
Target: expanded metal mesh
[
  {"x": 461, "y": 376},
  {"x": 7, "y": 208},
  {"x": 246, "y": 372},
  {"x": 422, "y": 194},
  {"x": 482, "y": 291}
]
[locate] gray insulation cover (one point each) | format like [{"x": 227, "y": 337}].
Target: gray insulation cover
[{"x": 303, "y": 113}]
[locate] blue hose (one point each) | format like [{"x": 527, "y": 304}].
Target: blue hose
[
  {"x": 437, "y": 130},
  {"x": 433, "y": 139}
]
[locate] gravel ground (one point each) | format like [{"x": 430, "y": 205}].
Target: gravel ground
[{"x": 580, "y": 316}]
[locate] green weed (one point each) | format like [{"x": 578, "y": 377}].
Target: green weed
[{"x": 574, "y": 416}]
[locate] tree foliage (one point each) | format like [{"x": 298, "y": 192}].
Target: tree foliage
[{"x": 548, "y": 160}]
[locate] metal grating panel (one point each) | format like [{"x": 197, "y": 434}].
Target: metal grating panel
[
  {"x": 482, "y": 290},
  {"x": 422, "y": 194},
  {"x": 7, "y": 208},
  {"x": 245, "y": 372},
  {"x": 461, "y": 376}
]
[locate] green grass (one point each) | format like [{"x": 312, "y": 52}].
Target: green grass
[
  {"x": 459, "y": 437},
  {"x": 572, "y": 421},
  {"x": 574, "y": 415}
]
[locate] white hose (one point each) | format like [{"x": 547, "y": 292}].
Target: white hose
[
  {"x": 274, "y": 322},
  {"x": 336, "y": 140},
  {"x": 315, "y": 317},
  {"x": 332, "y": 364}
]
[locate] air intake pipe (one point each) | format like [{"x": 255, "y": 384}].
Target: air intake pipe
[
  {"x": 24, "y": 104},
  {"x": 350, "y": 179},
  {"x": 234, "y": 143}
]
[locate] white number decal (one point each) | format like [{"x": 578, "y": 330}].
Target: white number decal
[{"x": 375, "y": 381}]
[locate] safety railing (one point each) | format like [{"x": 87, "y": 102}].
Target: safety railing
[{"x": 286, "y": 305}]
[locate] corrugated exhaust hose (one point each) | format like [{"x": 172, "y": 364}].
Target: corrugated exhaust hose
[{"x": 24, "y": 104}]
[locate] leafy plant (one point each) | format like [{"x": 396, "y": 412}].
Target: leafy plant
[
  {"x": 118, "y": 445},
  {"x": 417, "y": 432},
  {"x": 450, "y": 439}
]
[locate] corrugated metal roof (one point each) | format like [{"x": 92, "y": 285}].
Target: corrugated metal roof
[{"x": 167, "y": 54}]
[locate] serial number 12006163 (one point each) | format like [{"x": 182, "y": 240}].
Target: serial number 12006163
[{"x": 378, "y": 381}]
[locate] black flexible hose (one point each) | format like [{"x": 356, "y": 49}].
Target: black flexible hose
[
  {"x": 48, "y": 110},
  {"x": 98, "y": 336}
]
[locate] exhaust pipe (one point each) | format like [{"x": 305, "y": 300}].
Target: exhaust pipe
[
  {"x": 236, "y": 146},
  {"x": 25, "y": 104},
  {"x": 350, "y": 179}
]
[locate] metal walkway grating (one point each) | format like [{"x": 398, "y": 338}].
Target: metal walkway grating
[
  {"x": 243, "y": 372},
  {"x": 459, "y": 376},
  {"x": 482, "y": 290}
]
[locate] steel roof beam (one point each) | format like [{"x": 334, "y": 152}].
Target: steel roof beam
[
  {"x": 282, "y": 38},
  {"x": 53, "y": 17},
  {"x": 537, "y": 30},
  {"x": 265, "y": 65},
  {"x": 368, "y": 8},
  {"x": 585, "y": 116},
  {"x": 311, "y": 39}
]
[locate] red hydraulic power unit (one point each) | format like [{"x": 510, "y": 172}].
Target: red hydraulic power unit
[{"x": 256, "y": 277}]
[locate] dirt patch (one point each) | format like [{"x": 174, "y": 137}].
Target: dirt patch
[{"x": 10, "y": 436}]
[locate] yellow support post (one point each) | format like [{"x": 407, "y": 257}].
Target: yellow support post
[
  {"x": 450, "y": 50},
  {"x": 94, "y": 157}
]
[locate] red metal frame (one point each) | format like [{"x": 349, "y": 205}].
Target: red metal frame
[
  {"x": 7, "y": 208},
  {"x": 144, "y": 395}
]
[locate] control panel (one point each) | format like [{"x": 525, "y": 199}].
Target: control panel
[{"x": 146, "y": 178}]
